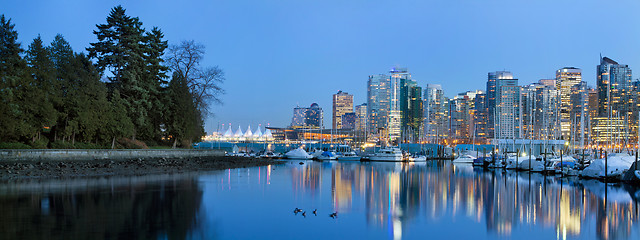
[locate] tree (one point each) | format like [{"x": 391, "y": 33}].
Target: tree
[
  {"x": 131, "y": 60},
  {"x": 204, "y": 82},
  {"x": 13, "y": 79},
  {"x": 41, "y": 91},
  {"x": 183, "y": 117}
]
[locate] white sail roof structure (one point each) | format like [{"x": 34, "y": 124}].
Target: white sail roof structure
[
  {"x": 228, "y": 133},
  {"x": 238, "y": 133},
  {"x": 257, "y": 134},
  {"x": 267, "y": 135},
  {"x": 248, "y": 134}
]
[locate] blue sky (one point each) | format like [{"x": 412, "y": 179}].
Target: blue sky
[{"x": 278, "y": 54}]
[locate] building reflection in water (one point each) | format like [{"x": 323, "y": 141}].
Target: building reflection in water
[
  {"x": 395, "y": 194},
  {"x": 125, "y": 208}
]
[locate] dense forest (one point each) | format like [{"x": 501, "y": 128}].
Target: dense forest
[{"x": 131, "y": 89}]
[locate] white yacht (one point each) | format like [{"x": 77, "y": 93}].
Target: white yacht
[
  {"x": 387, "y": 154},
  {"x": 464, "y": 159},
  {"x": 298, "y": 153},
  {"x": 349, "y": 156}
]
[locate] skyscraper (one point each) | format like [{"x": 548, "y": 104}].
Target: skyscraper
[
  {"x": 614, "y": 88},
  {"x": 507, "y": 108},
  {"x": 398, "y": 75},
  {"x": 348, "y": 120},
  {"x": 566, "y": 78},
  {"x": 298, "y": 119},
  {"x": 313, "y": 116},
  {"x": 378, "y": 101},
  {"x": 410, "y": 108},
  {"x": 361, "y": 118},
  {"x": 492, "y": 79},
  {"x": 461, "y": 112},
  {"x": 435, "y": 113},
  {"x": 579, "y": 114},
  {"x": 342, "y": 103}
]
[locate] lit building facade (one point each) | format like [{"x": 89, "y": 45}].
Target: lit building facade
[
  {"x": 361, "y": 118},
  {"x": 566, "y": 79},
  {"x": 397, "y": 76},
  {"x": 348, "y": 120},
  {"x": 378, "y": 101},
  {"x": 342, "y": 104},
  {"x": 435, "y": 113},
  {"x": 507, "y": 125},
  {"x": 410, "y": 108},
  {"x": 616, "y": 98},
  {"x": 310, "y": 117},
  {"x": 492, "y": 99}
]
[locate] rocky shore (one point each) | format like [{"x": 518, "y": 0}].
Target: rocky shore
[{"x": 133, "y": 167}]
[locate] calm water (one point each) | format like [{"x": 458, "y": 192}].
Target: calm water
[{"x": 373, "y": 201}]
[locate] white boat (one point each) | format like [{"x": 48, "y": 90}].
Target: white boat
[
  {"x": 616, "y": 164},
  {"x": 512, "y": 161},
  {"x": 327, "y": 155},
  {"x": 464, "y": 159},
  {"x": 387, "y": 155},
  {"x": 349, "y": 156},
  {"x": 297, "y": 153},
  {"x": 536, "y": 165}
]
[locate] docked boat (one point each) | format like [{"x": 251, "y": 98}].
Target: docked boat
[
  {"x": 327, "y": 155},
  {"x": 387, "y": 155},
  {"x": 464, "y": 159},
  {"x": 297, "y": 153},
  {"x": 349, "y": 156}
]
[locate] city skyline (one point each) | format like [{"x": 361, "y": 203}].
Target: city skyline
[{"x": 314, "y": 56}]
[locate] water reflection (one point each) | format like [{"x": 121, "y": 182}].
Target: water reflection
[
  {"x": 159, "y": 207},
  {"x": 396, "y": 194}
]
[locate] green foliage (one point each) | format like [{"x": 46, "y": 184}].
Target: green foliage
[
  {"x": 55, "y": 97},
  {"x": 14, "y": 145}
]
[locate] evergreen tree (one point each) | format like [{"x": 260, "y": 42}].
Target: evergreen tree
[
  {"x": 183, "y": 118},
  {"x": 40, "y": 91},
  {"x": 124, "y": 55},
  {"x": 155, "y": 78},
  {"x": 13, "y": 78}
]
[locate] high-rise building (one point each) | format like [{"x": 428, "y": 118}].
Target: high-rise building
[
  {"x": 361, "y": 118},
  {"x": 314, "y": 116},
  {"x": 410, "y": 108},
  {"x": 435, "y": 113},
  {"x": 614, "y": 88},
  {"x": 461, "y": 112},
  {"x": 397, "y": 76},
  {"x": 299, "y": 114},
  {"x": 579, "y": 114},
  {"x": 528, "y": 110},
  {"x": 566, "y": 78},
  {"x": 342, "y": 103},
  {"x": 507, "y": 123},
  {"x": 480, "y": 116},
  {"x": 310, "y": 117},
  {"x": 492, "y": 100},
  {"x": 378, "y": 104},
  {"x": 546, "y": 117},
  {"x": 616, "y": 100},
  {"x": 348, "y": 120}
]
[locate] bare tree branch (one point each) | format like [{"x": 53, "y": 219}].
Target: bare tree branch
[{"x": 204, "y": 83}]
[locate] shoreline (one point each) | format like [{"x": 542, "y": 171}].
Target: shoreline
[{"x": 61, "y": 169}]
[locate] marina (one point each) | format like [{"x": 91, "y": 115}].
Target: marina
[{"x": 373, "y": 200}]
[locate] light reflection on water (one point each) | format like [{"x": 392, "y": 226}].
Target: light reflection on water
[{"x": 373, "y": 201}]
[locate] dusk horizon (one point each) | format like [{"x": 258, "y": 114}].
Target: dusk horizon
[{"x": 308, "y": 52}]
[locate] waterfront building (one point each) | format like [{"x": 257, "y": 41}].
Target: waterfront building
[
  {"x": 342, "y": 103},
  {"x": 298, "y": 119},
  {"x": 616, "y": 98},
  {"x": 310, "y": 117},
  {"x": 410, "y": 108},
  {"x": 397, "y": 77},
  {"x": 480, "y": 116},
  {"x": 566, "y": 79},
  {"x": 348, "y": 120},
  {"x": 546, "y": 117},
  {"x": 528, "y": 110},
  {"x": 435, "y": 113},
  {"x": 579, "y": 114},
  {"x": 609, "y": 132},
  {"x": 507, "y": 108},
  {"x": 492, "y": 100},
  {"x": 314, "y": 116},
  {"x": 378, "y": 100},
  {"x": 361, "y": 118},
  {"x": 593, "y": 103},
  {"x": 462, "y": 115}
]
